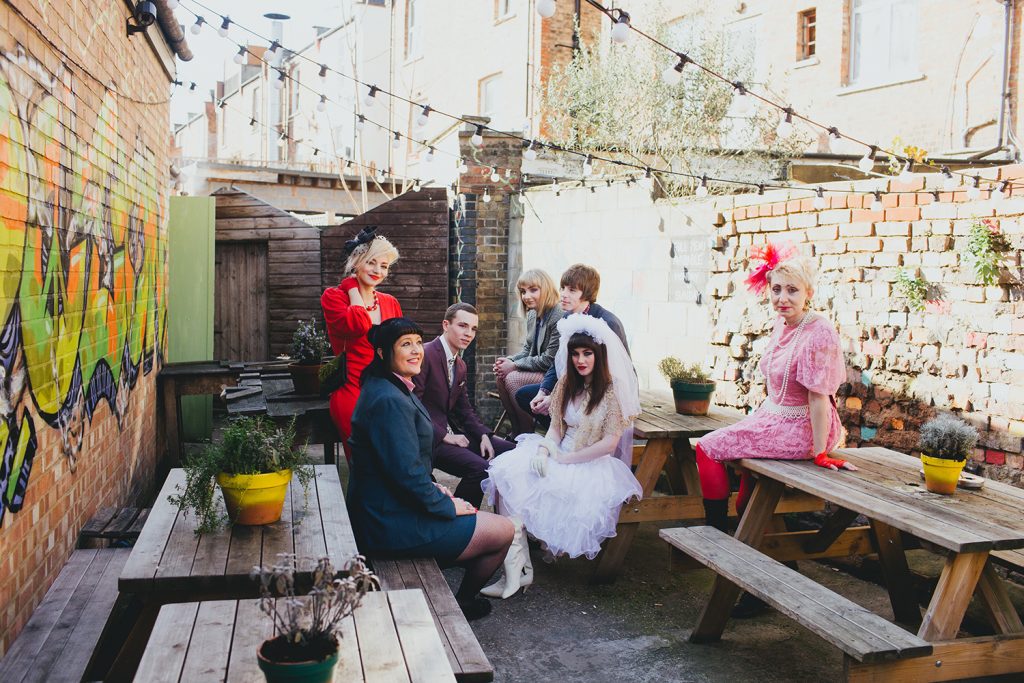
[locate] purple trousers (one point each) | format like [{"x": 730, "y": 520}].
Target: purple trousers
[{"x": 469, "y": 465}]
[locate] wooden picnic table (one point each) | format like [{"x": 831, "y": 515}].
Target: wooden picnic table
[
  {"x": 171, "y": 564},
  {"x": 191, "y": 378},
  {"x": 390, "y": 637},
  {"x": 273, "y": 394},
  {"x": 888, "y": 490},
  {"x": 668, "y": 451}
]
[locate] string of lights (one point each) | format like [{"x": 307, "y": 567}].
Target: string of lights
[{"x": 620, "y": 33}]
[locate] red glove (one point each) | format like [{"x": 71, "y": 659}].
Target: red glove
[{"x": 822, "y": 460}]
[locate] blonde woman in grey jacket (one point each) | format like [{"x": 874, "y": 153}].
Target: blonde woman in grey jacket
[{"x": 539, "y": 297}]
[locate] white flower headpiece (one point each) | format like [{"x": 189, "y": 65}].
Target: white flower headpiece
[{"x": 586, "y": 324}]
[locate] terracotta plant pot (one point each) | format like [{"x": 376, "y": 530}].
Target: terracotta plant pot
[
  {"x": 254, "y": 499},
  {"x": 691, "y": 398},
  {"x": 941, "y": 475},
  {"x": 305, "y": 378},
  {"x": 321, "y": 671}
]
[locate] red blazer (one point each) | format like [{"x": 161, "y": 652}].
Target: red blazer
[
  {"x": 446, "y": 404},
  {"x": 347, "y": 327}
]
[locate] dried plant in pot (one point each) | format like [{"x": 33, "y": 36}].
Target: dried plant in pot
[
  {"x": 309, "y": 347},
  {"x": 691, "y": 386},
  {"x": 945, "y": 443},
  {"x": 307, "y": 629}
]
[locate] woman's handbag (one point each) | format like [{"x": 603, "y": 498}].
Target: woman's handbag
[{"x": 333, "y": 375}]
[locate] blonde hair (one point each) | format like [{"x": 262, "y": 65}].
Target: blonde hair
[
  {"x": 378, "y": 248},
  {"x": 548, "y": 292},
  {"x": 800, "y": 268}
]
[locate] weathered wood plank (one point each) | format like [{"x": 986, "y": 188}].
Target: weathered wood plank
[
  {"x": 252, "y": 627},
  {"x": 173, "y": 632},
  {"x": 141, "y": 567},
  {"x": 424, "y": 654},
  {"x": 952, "y": 595},
  {"x": 378, "y": 641},
  {"x": 207, "y": 658},
  {"x": 949, "y": 661}
]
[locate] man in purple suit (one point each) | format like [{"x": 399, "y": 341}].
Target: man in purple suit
[{"x": 462, "y": 444}]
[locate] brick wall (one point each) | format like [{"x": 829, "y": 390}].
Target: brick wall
[
  {"x": 82, "y": 281},
  {"x": 963, "y": 353}
]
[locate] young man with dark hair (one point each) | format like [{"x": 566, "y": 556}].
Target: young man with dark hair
[
  {"x": 579, "y": 286},
  {"x": 462, "y": 444}
]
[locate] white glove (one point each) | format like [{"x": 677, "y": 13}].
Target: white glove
[{"x": 539, "y": 462}]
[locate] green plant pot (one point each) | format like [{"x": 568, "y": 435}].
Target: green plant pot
[
  {"x": 297, "y": 672},
  {"x": 305, "y": 378},
  {"x": 691, "y": 398}
]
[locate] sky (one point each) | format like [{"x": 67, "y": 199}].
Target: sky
[{"x": 212, "y": 53}]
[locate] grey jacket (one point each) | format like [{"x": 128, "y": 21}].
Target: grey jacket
[{"x": 542, "y": 356}]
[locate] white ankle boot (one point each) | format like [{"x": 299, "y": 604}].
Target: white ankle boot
[{"x": 518, "y": 567}]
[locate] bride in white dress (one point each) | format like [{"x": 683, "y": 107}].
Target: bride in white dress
[{"x": 567, "y": 488}]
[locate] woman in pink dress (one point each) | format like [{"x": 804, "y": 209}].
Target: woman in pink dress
[{"x": 803, "y": 367}]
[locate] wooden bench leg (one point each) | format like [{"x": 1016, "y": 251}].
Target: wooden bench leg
[
  {"x": 952, "y": 596},
  {"x": 889, "y": 543},
  {"x": 995, "y": 599},
  {"x": 609, "y": 562},
  {"x": 751, "y": 530}
]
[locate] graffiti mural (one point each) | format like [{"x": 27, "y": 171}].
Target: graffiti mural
[{"x": 82, "y": 265}]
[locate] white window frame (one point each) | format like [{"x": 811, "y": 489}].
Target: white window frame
[
  {"x": 482, "y": 85},
  {"x": 894, "y": 47},
  {"x": 509, "y": 10},
  {"x": 413, "y": 30}
]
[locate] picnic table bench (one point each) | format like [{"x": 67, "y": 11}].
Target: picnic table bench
[
  {"x": 966, "y": 527},
  {"x": 466, "y": 657},
  {"x": 390, "y": 636},
  {"x": 113, "y": 524},
  {"x": 61, "y": 637},
  {"x": 668, "y": 451}
]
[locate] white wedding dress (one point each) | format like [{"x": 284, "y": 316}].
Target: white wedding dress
[{"x": 571, "y": 509}]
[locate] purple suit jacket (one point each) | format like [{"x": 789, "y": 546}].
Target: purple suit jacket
[{"x": 446, "y": 404}]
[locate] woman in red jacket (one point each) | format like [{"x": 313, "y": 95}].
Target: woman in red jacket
[{"x": 349, "y": 311}]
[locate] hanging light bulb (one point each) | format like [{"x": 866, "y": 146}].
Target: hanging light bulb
[
  {"x": 949, "y": 182},
  {"x": 371, "y": 96},
  {"x": 279, "y": 81},
  {"x": 530, "y": 153},
  {"x": 647, "y": 172},
  {"x": 322, "y": 104},
  {"x": 834, "y": 133},
  {"x": 360, "y": 122},
  {"x": 396, "y": 141},
  {"x": 546, "y": 8},
  {"x": 702, "y": 189},
  {"x": 487, "y": 196},
  {"x": 225, "y": 24},
  {"x": 462, "y": 167},
  {"x": 907, "y": 173},
  {"x": 876, "y": 203},
  {"x": 240, "y": 57},
  {"x": 280, "y": 139},
  {"x": 198, "y": 26},
  {"x": 478, "y": 137},
  {"x": 620, "y": 31},
  {"x": 867, "y": 162},
  {"x": 760, "y": 188},
  {"x": 785, "y": 127},
  {"x": 974, "y": 191},
  {"x": 422, "y": 119},
  {"x": 416, "y": 185},
  {"x": 323, "y": 71},
  {"x": 316, "y": 151},
  {"x": 593, "y": 189},
  {"x": 819, "y": 199},
  {"x": 494, "y": 175},
  {"x": 588, "y": 166},
  {"x": 999, "y": 193},
  {"x": 674, "y": 73},
  {"x": 252, "y": 122},
  {"x": 429, "y": 156},
  {"x": 935, "y": 196},
  {"x": 742, "y": 103},
  {"x": 274, "y": 46}
]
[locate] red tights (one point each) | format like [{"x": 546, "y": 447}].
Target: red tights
[{"x": 714, "y": 481}]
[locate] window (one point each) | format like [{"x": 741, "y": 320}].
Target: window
[
  {"x": 488, "y": 94},
  {"x": 413, "y": 29},
  {"x": 502, "y": 9},
  {"x": 255, "y": 113},
  {"x": 806, "y": 34},
  {"x": 883, "y": 40}
]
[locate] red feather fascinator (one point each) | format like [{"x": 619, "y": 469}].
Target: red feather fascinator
[{"x": 770, "y": 256}]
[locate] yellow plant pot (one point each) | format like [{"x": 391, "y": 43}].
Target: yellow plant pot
[
  {"x": 941, "y": 475},
  {"x": 254, "y": 499}
]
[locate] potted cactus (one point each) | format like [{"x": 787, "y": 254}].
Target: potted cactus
[
  {"x": 945, "y": 443},
  {"x": 309, "y": 346},
  {"x": 691, "y": 386}
]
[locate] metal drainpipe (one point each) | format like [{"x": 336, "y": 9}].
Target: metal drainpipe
[{"x": 1004, "y": 97}]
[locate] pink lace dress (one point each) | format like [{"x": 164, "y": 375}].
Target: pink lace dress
[{"x": 807, "y": 357}]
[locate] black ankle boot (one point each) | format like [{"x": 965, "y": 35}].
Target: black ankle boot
[
  {"x": 716, "y": 514},
  {"x": 474, "y": 608}
]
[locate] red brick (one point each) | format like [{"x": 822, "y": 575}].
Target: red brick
[
  {"x": 739, "y": 214},
  {"x": 977, "y": 339},
  {"x": 908, "y": 199},
  {"x": 793, "y": 206},
  {"x": 995, "y": 457},
  {"x": 914, "y": 185},
  {"x": 867, "y": 216},
  {"x": 1012, "y": 171},
  {"x": 903, "y": 213}
]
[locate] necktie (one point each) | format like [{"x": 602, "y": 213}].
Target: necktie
[{"x": 451, "y": 370}]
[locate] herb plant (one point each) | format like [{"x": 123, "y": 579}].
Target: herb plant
[
  {"x": 948, "y": 438},
  {"x": 309, "y": 343},
  {"x": 675, "y": 370}
]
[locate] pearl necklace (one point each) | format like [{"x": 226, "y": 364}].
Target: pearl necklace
[{"x": 791, "y": 344}]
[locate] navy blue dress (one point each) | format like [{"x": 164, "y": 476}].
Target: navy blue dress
[{"x": 396, "y": 509}]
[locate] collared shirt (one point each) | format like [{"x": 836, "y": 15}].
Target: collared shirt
[
  {"x": 407, "y": 382},
  {"x": 449, "y": 357}
]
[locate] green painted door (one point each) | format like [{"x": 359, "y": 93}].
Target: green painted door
[{"x": 190, "y": 300}]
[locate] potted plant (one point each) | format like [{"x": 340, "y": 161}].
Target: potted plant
[
  {"x": 309, "y": 346},
  {"x": 691, "y": 386},
  {"x": 253, "y": 466},
  {"x": 307, "y": 629},
  {"x": 945, "y": 443}
]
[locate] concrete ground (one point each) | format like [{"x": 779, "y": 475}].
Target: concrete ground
[{"x": 564, "y": 629}]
